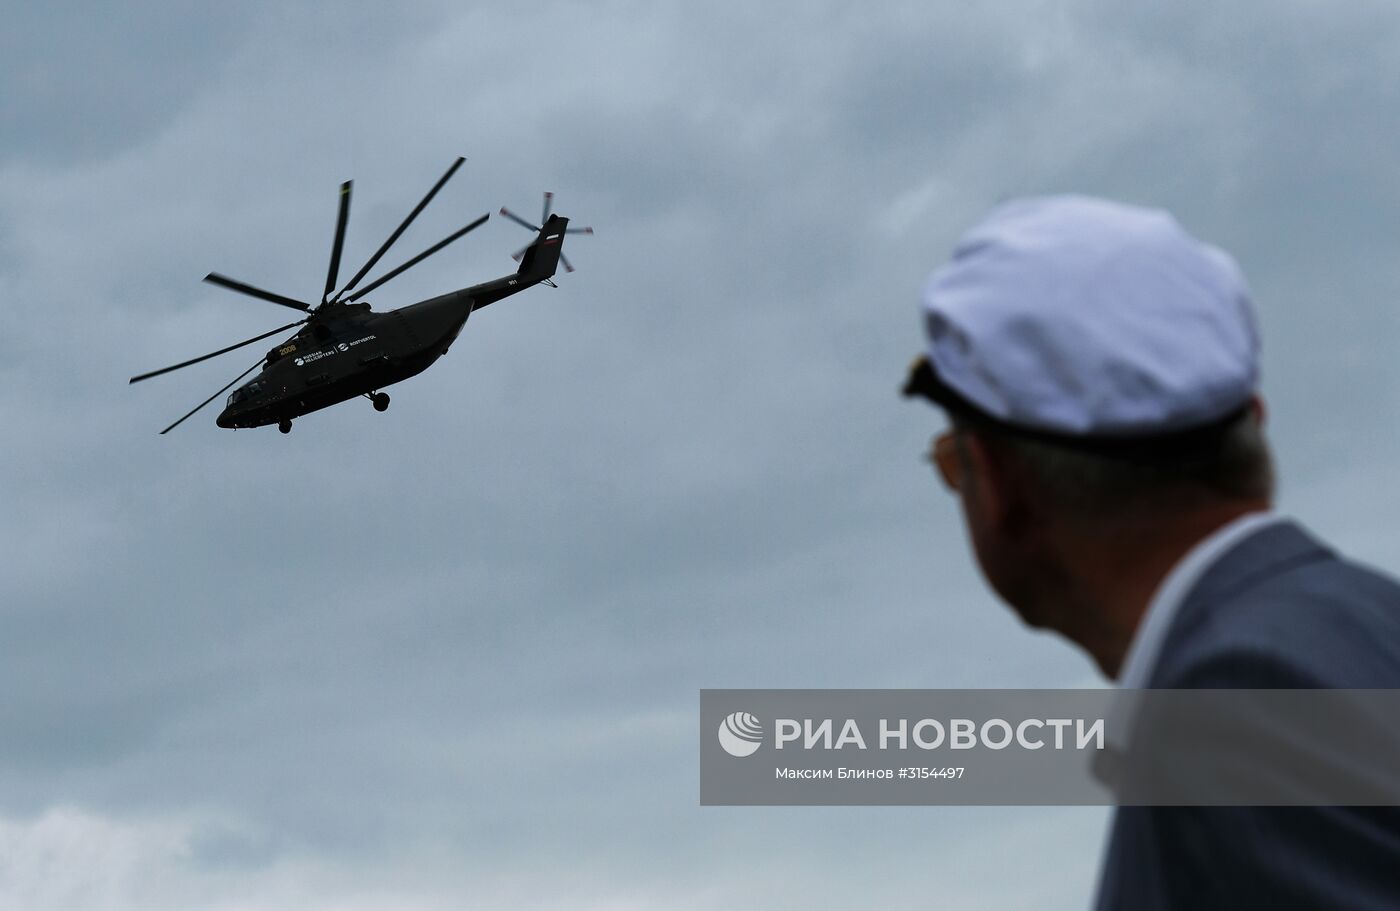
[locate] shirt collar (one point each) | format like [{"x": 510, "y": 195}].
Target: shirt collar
[{"x": 1141, "y": 657}]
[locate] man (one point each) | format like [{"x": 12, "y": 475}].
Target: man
[{"x": 1099, "y": 367}]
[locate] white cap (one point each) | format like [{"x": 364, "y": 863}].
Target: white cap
[{"x": 1081, "y": 317}]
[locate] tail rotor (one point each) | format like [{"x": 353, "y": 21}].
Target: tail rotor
[{"x": 545, "y": 217}]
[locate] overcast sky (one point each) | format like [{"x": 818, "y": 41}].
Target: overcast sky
[{"x": 449, "y": 655}]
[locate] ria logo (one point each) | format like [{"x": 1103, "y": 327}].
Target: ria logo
[{"x": 741, "y": 734}]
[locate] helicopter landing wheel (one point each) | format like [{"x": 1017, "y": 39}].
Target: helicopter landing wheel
[
  {"x": 284, "y": 425},
  {"x": 380, "y": 400}
]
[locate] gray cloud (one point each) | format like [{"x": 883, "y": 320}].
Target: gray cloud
[{"x": 459, "y": 643}]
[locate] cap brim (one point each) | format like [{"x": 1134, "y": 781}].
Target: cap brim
[
  {"x": 923, "y": 382},
  {"x": 1191, "y": 445}
]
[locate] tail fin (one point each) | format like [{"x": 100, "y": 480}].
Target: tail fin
[{"x": 541, "y": 259}]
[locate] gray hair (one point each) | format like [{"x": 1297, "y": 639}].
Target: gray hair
[{"x": 1095, "y": 486}]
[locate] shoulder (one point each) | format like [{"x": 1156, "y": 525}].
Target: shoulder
[
  {"x": 1282, "y": 610},
  {"x": 1251, "y": 857}
]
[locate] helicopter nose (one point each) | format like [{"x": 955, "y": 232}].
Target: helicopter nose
[{"x": 224, "y": 420}]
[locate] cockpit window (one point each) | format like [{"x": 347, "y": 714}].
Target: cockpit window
[{"x": 245, "y": 392}]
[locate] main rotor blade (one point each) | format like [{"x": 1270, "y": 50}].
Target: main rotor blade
[
  {"x": 517, "y": 219},
  {"x": 212, "y": 397},
  {"x": 215, "y": 278},
  {"x": 147, "y": 376},
  {"x": 548, "y": 204},
  {"x": 364, "y": 270},
  {"x": 419, "y": 258},
  {"x": 334, "y": 272}
]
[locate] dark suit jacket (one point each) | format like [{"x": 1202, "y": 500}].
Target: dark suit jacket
[{"x": 1278, "y": 610}]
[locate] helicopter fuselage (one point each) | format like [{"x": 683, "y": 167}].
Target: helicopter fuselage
[{"x": 348, "y": 350}]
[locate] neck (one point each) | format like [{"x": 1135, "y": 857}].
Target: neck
[{"x": 1112, "y": 574}]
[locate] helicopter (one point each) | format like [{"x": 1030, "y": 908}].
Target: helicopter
[{"x": 344, "y": 349}]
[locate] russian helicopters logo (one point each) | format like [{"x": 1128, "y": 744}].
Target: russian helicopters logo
[{"x": 741, "y": 734}]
